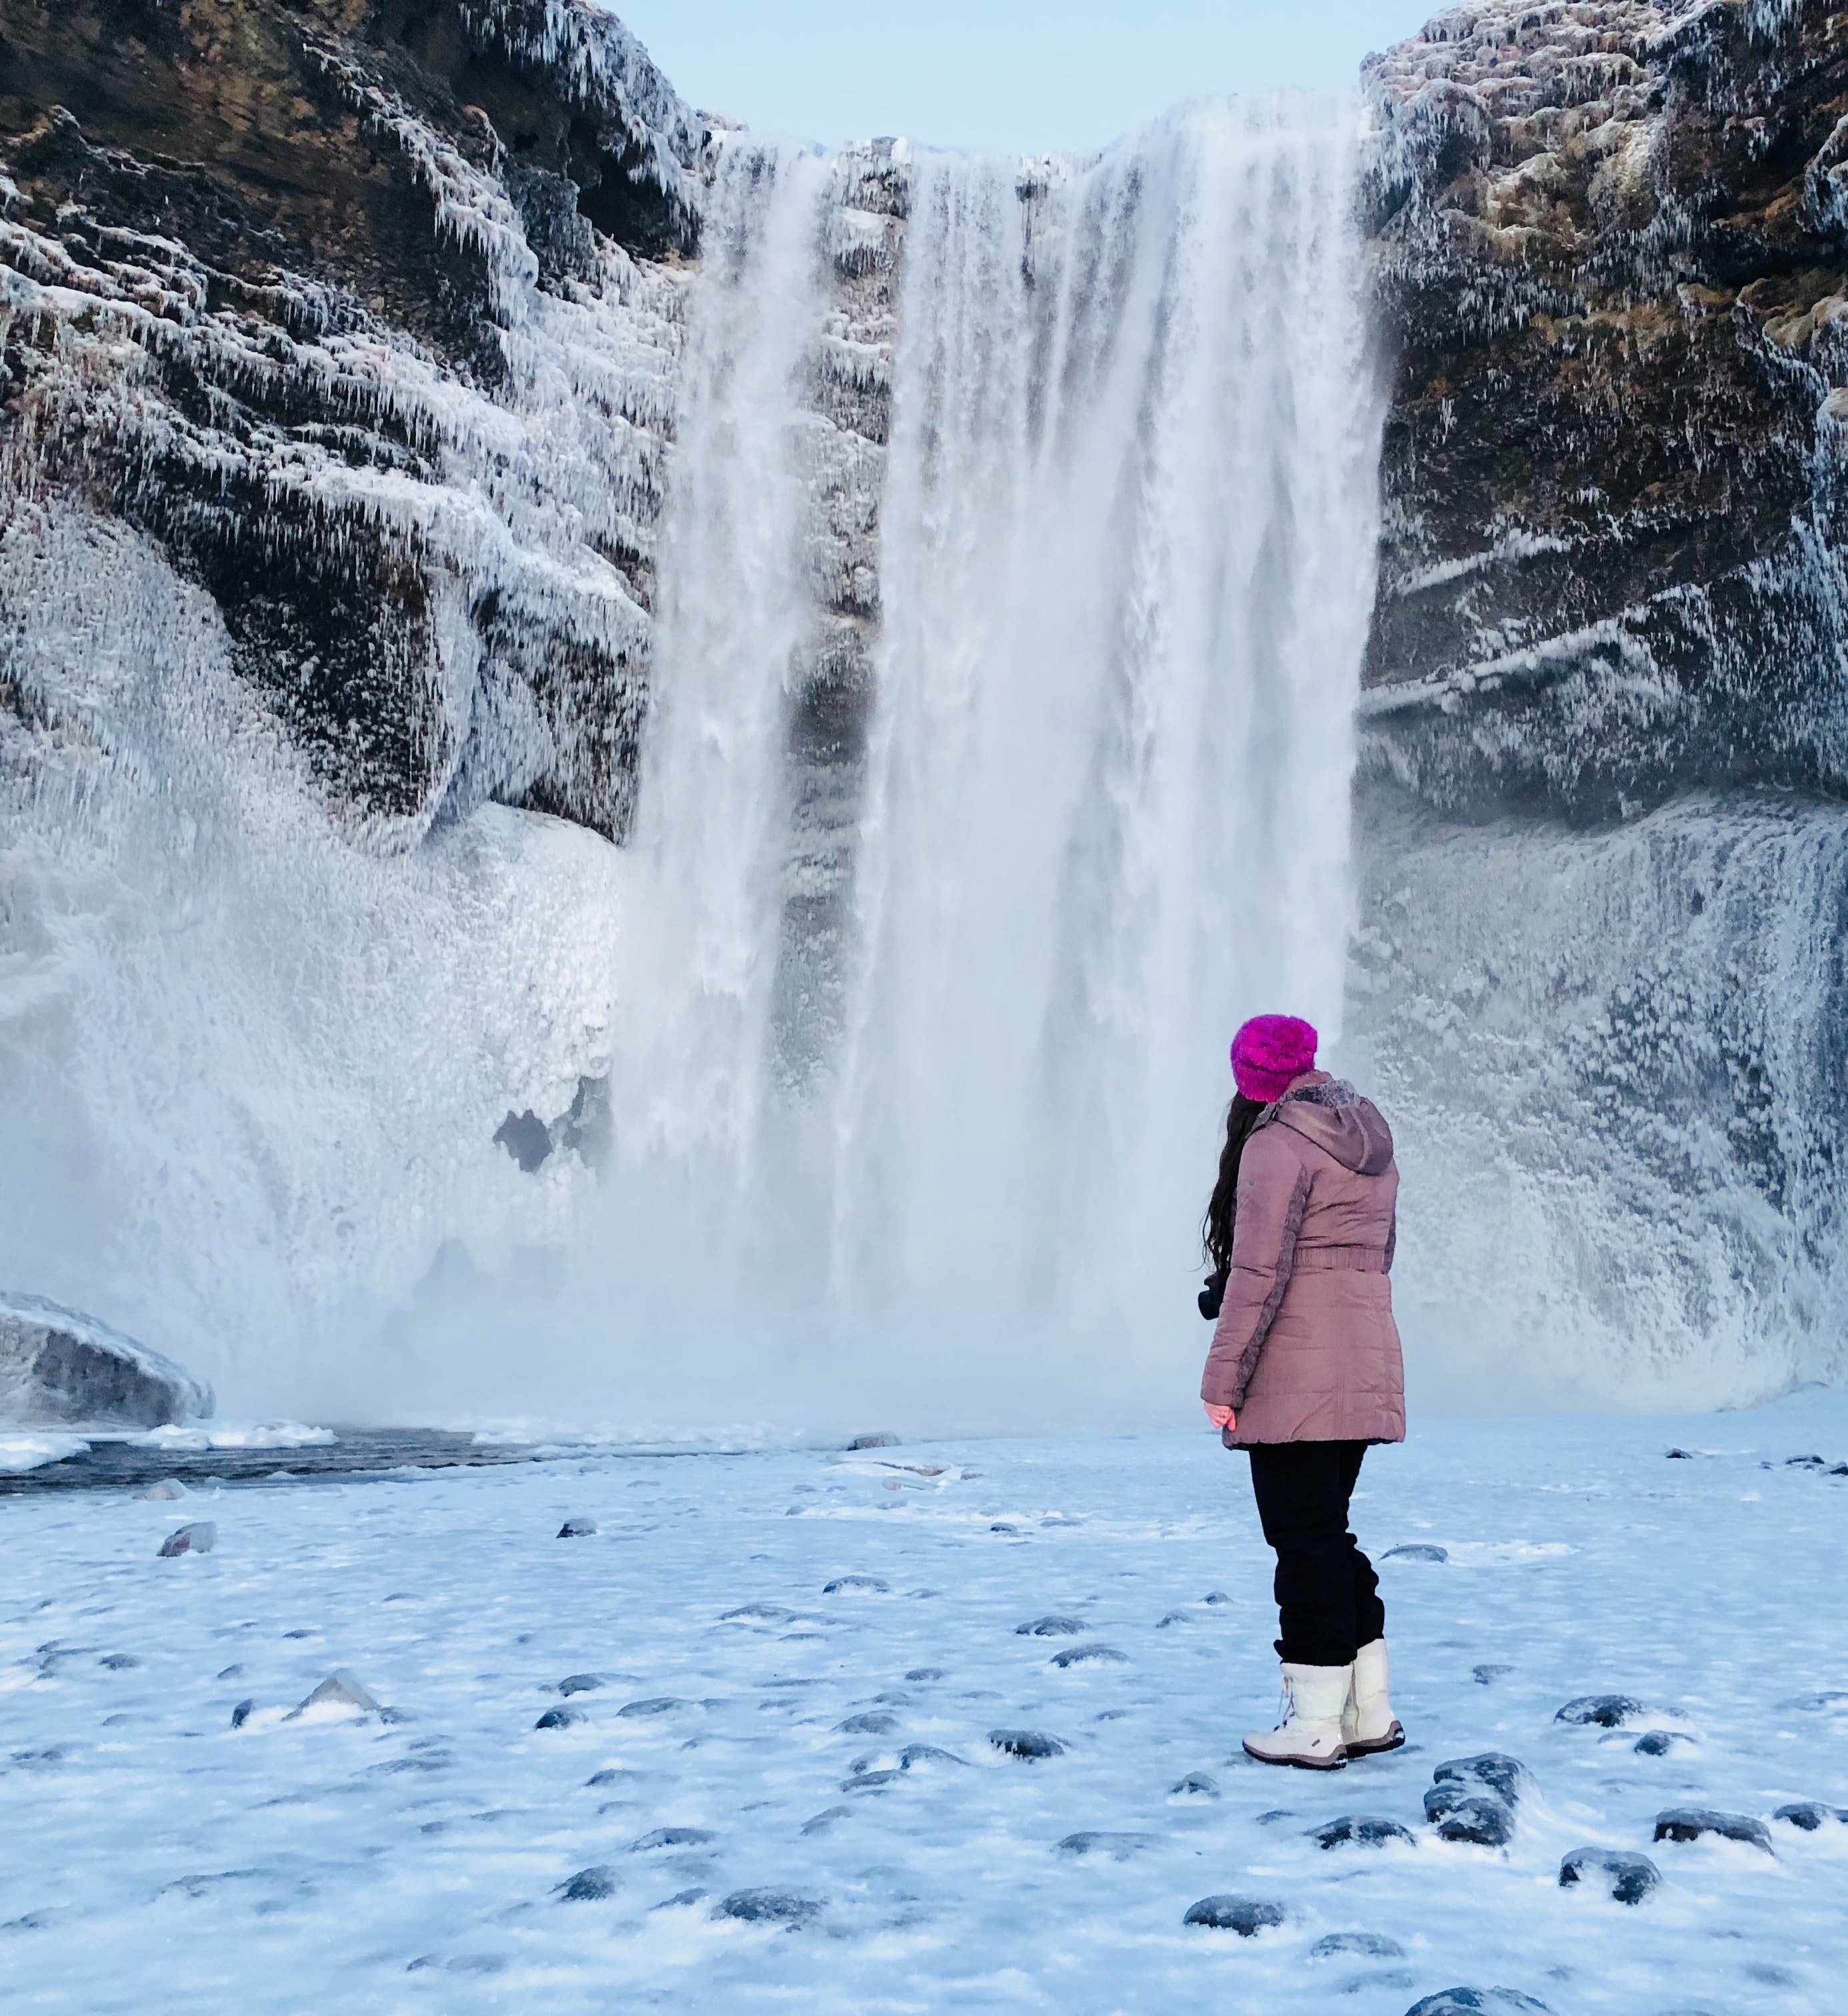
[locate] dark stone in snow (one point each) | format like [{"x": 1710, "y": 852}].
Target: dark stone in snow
[
  {"x": 1628, "y": 1878},
  {"x": 877, "y": 1723},
  {"x": 1600, "y": 1711},
  {"x": 1806, "y": 1462},
  {"x": 241, "y": 1714},
  {"x": 588, "y": 1886},
  {"x": 163, "y": 1491},
  {"x": 1244, "y": 1915},
  {"x": 1195, "y": 1785},
  {"x": 850, "y": 1584},
  {"x": 1174, "y": 1617},
  {"x": 870, "y": 1781},
  {"x": 1118, "y": 1847},
  {"x": 672, "y": 1837},
  {"x": 1215, "y": 1596},
  {"x": 1484, "y": 1823},
  {"x": 1370, "y": 1945},
  {"x": 1029, "y": 1743},
  {"x": 1360, "y": 1830},
  {"x": 873, "y": 1442},
  {"x": 1838, "y": 1470},
  {"x": 1091, "y": 1655},
  {"x": 119, "y": 1662},
  {"x": 342, "y": 1688},
  {"x": 1051, "y": 1627},
  {"x": 1680, "y": 1456},
  {"x": 1469, "y": 2001},
  {"x": 577, "y": 1529},
  {"x": 615, "y": 1776},
  {"x": 921, "y": 1673},
  {"x": 1690, "y": 1823},
  {"x": 654, "y": 1704},
  {"x": 199, "y": 1537},
  {"x": 1417, "y": 1550},
  {"x": 769, "y": 1907},
  {"x": 1507, "y": 1777},
  {"x": 59, "y": 1365},
  {"x": 1810, "y": 1814},
  {"x": 561, "y": 1718},
  {"x": 759, "y": 1613},
  {"x": 1486, "y": 1675},
  {"x": 230, "y": 1673},
  {"x": 1656, "y": 1742},
  {"x": 580, "y": 1683},
  {"x": 913, "y": 1754},
  {"x": 1001, "y": 1526},
  {"x": 825, "y": 1819}
]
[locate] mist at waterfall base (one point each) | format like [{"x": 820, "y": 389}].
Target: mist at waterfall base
[{"x": 913, "y": 1043}]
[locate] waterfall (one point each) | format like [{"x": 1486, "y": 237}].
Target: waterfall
[{"x": 1126, "y": 539}]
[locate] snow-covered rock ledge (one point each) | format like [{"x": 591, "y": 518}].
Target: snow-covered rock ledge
[{"x": 58, "y": 1366}]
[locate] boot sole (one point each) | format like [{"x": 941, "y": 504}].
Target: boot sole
[
  {"x": 1392, "y": 1741},
  {"x": 1300, "y": 1763}
]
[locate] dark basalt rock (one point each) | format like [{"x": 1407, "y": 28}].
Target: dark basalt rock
[
  {"x": 1195, "y": 1785},
  {"x": 580, "y": 1683},
  {"x": 1658, "y": 1742},
  {"x": 561, "y": 1718},
  {"x": 655, "y": 1704},
  {"x": 1116, "y": 1847},
  {"x": 1091, "y": 1655},
  {"x": 588, "y": 1886},
  {"x": 615, "y": 1776},
  {"x": 873, "y": 1441},
  {"x": 758, "y": 1613},
  {"x": 1483, "y": 1822},
  {"x": 871, "y": 1781},
  {"x": 1478, "y": 2002},
  {"x": 1600, "y": 1711},
  {"x": 671, "y": 1837},
  {"x": 858, "y": 1584},
  {"x": 920, "y": 1674},
  {"x": 878, "y": 1722},
  {"x": 1359, "y": 1830},
  {"x": 1029, "y": 1744},
  {"x": 769, "y": 1907},
  {"x": 916, "y": 1756},
  {"x": 118, "y": 1662},
  {"x": 577, "y": 1529},
  {"x": 59, "y": 1366},
  {"x": 1417, "y": 1550},
  {"x": 825, "y": 1819},
  {"x": 1811, "y": 1815},
  {"x": 198, "y": 1538},
  {"x": 1506, "y": 1776},
  {"x": 1487, "y": 1675},
  {"x": 1690, "y": 1823},
  {"x": 1051, "y": 1627},
  {"x": 1215, "y": 1596},
  {"x": 242, "y": 1713},
  {"x": 1246, "y": 1916},
  {"x": 1628, "y": 1878},
  {"x": 1368, "y": 1945}
]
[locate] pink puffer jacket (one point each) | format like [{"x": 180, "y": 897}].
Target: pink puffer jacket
[{"x": 1306, "y": 1349}]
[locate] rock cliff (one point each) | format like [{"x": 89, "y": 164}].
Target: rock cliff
[{"x": 1612, "y": 241}]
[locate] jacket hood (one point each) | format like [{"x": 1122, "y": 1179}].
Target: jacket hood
[{"x": 1335, "y": 1116}]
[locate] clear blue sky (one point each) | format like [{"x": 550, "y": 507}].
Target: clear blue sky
[{"x": 1032, "y": 75}]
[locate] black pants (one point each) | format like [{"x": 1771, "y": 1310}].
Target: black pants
[{"x": 1327, "y": 1595}]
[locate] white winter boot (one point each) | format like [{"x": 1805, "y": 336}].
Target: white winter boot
[
  {"x": 1367, "y": 1723},
  {"x": 1309, "y": 1734}
]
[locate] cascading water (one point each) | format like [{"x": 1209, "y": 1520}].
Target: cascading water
[{"x": 1126, "y": 565}]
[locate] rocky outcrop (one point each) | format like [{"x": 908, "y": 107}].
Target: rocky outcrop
[
  {"x": 366, "y": 314},
  {"x": 57, "y": 1366},
  {"x": 1611, "y": 241}
]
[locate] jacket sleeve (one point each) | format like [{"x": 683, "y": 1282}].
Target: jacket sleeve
[{"x": 1273, "y": 1190}]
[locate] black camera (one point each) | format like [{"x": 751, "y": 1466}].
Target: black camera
[{"x": 1213, "y": 1293}]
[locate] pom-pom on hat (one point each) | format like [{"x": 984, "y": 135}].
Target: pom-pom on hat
[{"x": 1269, "y": 1052}]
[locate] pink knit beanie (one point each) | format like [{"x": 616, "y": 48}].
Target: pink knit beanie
[{"x": 1268, "y": 1052}]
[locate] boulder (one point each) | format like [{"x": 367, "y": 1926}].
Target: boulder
[
  {"x": 1483, "y": 1822},
  {"x": 1628, "y": 1878},
  {"x": 1811, "y": 1815},
  {"x": 1690, "y": 1823},
  {"x": 1246, "y": 1916},
  {"x": 1029, "y": 1744},
  {"x": 1359, "y": 1830},
  {"x": 342, "y": 1688},
  {"x": 769, "y": 1907},
  {"x": 198, "y": 1538},
  {"x": 57, "y": 1365},
  {"x": 1600, "y": 1711},
  {"x": 588, "y": 1886},
  {"x": 1470, "y": 2001},
  {"x": 1506, "y": 1776}
]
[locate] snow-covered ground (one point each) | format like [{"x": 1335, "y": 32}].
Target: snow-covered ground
[{"x": 152, "y": 1857}]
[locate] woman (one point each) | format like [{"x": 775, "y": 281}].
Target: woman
[{"x": 1305, "y": 1370}]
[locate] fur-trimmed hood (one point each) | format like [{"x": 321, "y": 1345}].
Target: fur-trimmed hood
[{"x": 1331, "y": 1113}]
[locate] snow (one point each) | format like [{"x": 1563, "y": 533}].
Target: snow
[
  {"x": 22, "y": 1450},
  {"x": 413, "y": 1859}
]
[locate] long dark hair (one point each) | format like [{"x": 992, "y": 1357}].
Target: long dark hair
[{"x": 1215, "y": 1228}]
